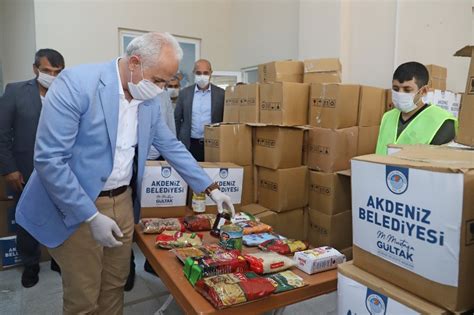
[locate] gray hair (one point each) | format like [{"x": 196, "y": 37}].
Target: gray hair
[{"x": 148, "y": 47}]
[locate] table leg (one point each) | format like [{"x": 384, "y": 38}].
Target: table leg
[{"x": 165, "y": 305}]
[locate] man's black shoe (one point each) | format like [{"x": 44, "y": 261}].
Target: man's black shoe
[
  {"x": 148, "y": 268},
  {"x": 30, "y": 276}
]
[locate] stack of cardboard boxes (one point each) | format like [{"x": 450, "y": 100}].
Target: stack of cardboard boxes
[{"x": 327, "y": 70}]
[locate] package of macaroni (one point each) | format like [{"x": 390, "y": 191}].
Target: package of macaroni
[
  {"x": 268, "y": 262},
  {"x": 198, "y": 251},
  {"x": 199, "y": 222},
  {"x": 318, "y": 259},
  {"x": 285, "y": 281},
  {"x": 284, "y": 247},
  {"x": 172, "y": 239},
  {"x": 254, "y": 227},
  {"x": 157, "y": 225},
  {"x": 257, "y": 239},
  {"x": 223, "y": 262},
  {"x": 234, "y": 288},
  {"x": 243, "y": 216}
]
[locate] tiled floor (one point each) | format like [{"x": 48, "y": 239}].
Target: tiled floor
[{"x": 146, "y": 297}]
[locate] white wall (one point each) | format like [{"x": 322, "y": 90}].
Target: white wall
[{"x": 18, "y": 42}]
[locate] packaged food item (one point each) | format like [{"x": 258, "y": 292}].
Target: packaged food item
[
  {"x": 284, "y": 247},
  {"x": 254, "y": 227},
  {"x": 234, "y": 288},
  {"x": 257, "y": 239},
  {"x": 231, "y": 237},
  {"x": 318, "y": 259},
  {"x": 197, "y": 251},
  {"x": 243, "y": 216},
  {"x": 221, "y": 219},
  {"x": 199, "y": 202},
  {"x": 199, "y": 222},
  {"x": 219, "y": 263},
  {"x": 285, "y": 281},
  {"x": 267, "y": 262},
  {"x": 171, "y": 239},
  {"x": 157, "y": 225}
]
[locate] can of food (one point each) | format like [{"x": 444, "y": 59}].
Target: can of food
[{"x": 231, "y": 237}]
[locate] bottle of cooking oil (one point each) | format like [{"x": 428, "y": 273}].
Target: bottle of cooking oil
[{"x": 199, "y": 202}]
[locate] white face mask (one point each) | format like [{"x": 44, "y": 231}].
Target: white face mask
[
  {"x": 143, "y": 90},
  {"x": 45, "y": 79},
  {"x": 202, "y": 80},
  {"x": 174, "y": 92},
  {"x": 404, "y": 101}
]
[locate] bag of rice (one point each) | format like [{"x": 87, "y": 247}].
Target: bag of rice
[
  {"x": 199, "y": 222},
  {"x": 267, "y": 262},
  {"x": 172, "y": 239},
  {"x": 285, "y": 281},
  {"x": 284, "y": 247},
  {"x": 157, "y": 225}
]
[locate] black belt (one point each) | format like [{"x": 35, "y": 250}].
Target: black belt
[
  {"x": 200, "y": 141},
  {"x": 113, "y": 192}
]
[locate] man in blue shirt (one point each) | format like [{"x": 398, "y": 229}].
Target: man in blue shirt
[{"x": 197, "y": 105}]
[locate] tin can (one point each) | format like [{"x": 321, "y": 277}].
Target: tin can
[{"x": 231, "y": 237}]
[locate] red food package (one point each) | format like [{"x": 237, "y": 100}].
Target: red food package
[
  {"x": 267, "y": 262},
  {"x": 199, "y": 222},
  {"x": 158, "y": 225},
  {"x": 284, "y": 247},
  {"x": 234, "y": 288},
  {"x": 172, "y": 239}
]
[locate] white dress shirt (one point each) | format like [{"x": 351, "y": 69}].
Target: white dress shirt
[{"x": 127, "y": 139}]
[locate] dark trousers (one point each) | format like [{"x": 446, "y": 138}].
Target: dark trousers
[
  {"x": 28, "y": 247},
  {"x": 197, "y": 149}
]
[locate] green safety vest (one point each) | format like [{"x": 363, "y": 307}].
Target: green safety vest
[{"x": 421, "y": 130}]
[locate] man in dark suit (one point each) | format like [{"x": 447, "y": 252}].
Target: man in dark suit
[
  {"x": 197, "y": 105},
  {"x": 20, "y": 109}
]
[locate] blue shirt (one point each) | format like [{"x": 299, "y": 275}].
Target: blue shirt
[{"x": 201, "y": 115}]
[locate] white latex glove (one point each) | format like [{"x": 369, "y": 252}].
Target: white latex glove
[
  {"x": 222, "y": 200},
  {"x": 102, "y": 228}
]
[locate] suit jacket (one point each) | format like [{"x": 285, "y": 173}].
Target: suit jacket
[
  {"x": 75, "y": 147},
  {"x": 184, "y": 111},
  {"x": 20, "y": 108}
]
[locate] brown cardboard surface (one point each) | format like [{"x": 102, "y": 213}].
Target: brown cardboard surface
[
  {"x": 281, "y": 71},
  {"x": 254, "y": 208},
  {"x": 371, "y": 106},
  {"x": 284, "y": 103},
  {"x": 283, "y": 189},
  {"x": 249, "y": 103},
  {"x": 163, "y": 212},
  {"x": 333, "y": 105},
  {"x": 6, "y": 217},
  {"x": 367, "y": 140},
  {"x": 388, "y": 100},
  {"x": 231, "y": 105},
  {"x": 322, "y": 77},
  {"x": 437, "y": 84},
  {"x": 465, "y": 133},
  {"x": 437, "y": 72},
  {"x": 247, "y": 189},
  {"x": 322, "y": 65},
  {"x": 290, "y": 224},
  {"x": 228, "y": 143},
  {"x": 330, "y": 230},
  {"x": 347, "y": 252},
  {"x": 381, "y": 286},
  {"x": 330, "y": 150},
  {"x": 306, "y": 223},
  {"x": 278, "y": 147},
  {"x": 329, "y": 193}
]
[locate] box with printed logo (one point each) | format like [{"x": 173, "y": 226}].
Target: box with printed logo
[
  {"x": 281, "y": 71},
  {"x": 333, "y": 105},
  {"x": 413, "y": 221},
  {"x": 231, "y": 105},
  {"x": 329, "y": 193},
  {"x": 249, "y": 108},
  {"x": 284, "y": 103},
  {"x": 318, "y": 259},
  {"x": 9, "y": 256},
  {"x": 283, "y": 189},
  {"x": 278, "y": 147},
  {"x": 359, "y": 292},
  {"x": 7, "y": 218},
  {"x": 163, "y": 192},
  {"x": 228, "y": 143}
]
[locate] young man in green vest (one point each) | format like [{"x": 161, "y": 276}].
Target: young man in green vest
[{"x": 413, "y": 121}]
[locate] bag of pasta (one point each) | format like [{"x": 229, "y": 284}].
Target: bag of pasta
[
  {"x": 285, "y": 281},
  {"x": 157, "y": 225}
]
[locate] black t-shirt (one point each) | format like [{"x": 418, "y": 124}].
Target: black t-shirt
[{"x": 445, "y": 133}]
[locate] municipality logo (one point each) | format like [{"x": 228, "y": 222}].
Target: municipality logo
[
  {"x": 376, "y": 303},
  {"x": 397, "y": 179},
  {"x": 166, "y": 171},
  {"x": 223, "y": 173}
]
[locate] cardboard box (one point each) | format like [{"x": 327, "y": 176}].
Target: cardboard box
[
  {"x": 322, "y": 77},
  {"x": 278, "y": 147},
  {"x": 330, "y": 230},
  {"x": 388, "y": 100},
  {"x": 447, "y": 100},
  {"x": 437, "y": 84},
  {"x": 163, "y": 191},
  {"x": 371, "y": 106},
  {"x": 228, "y": 143},
  {"x": 231, "y": 105},
  {"x": 329, "y": 193},
  {"x": 330, "y": 150},
  {"x": 413, "y": 221},
  {"x": 284, "y": 103},
  {"x": 283, "y": 189},
  {"x": 367, "y": 140},
  {"x": 248, "y": 185},
  {"x": 263, "y": 214},
  {"x": 306, "y": 129},
  {"x": 333, "y": 105},
  {"x": 318, "y": 259},
  {"x": 6, "y": 193},
  {"x": 360, "y": 292},
  {"x": 437, "y": 72},
  {"x": 322, "y": 65},
  {"x": 9, "y": 256},
  {"x": 281, "y": 71},
  {"x": 465, "y": 133},
  {"x": 305, "y": 223},
  {"x": 347, "y": 252},
  {"x": 249, "y": 109},
  {"x": 7, "y": 218}
]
